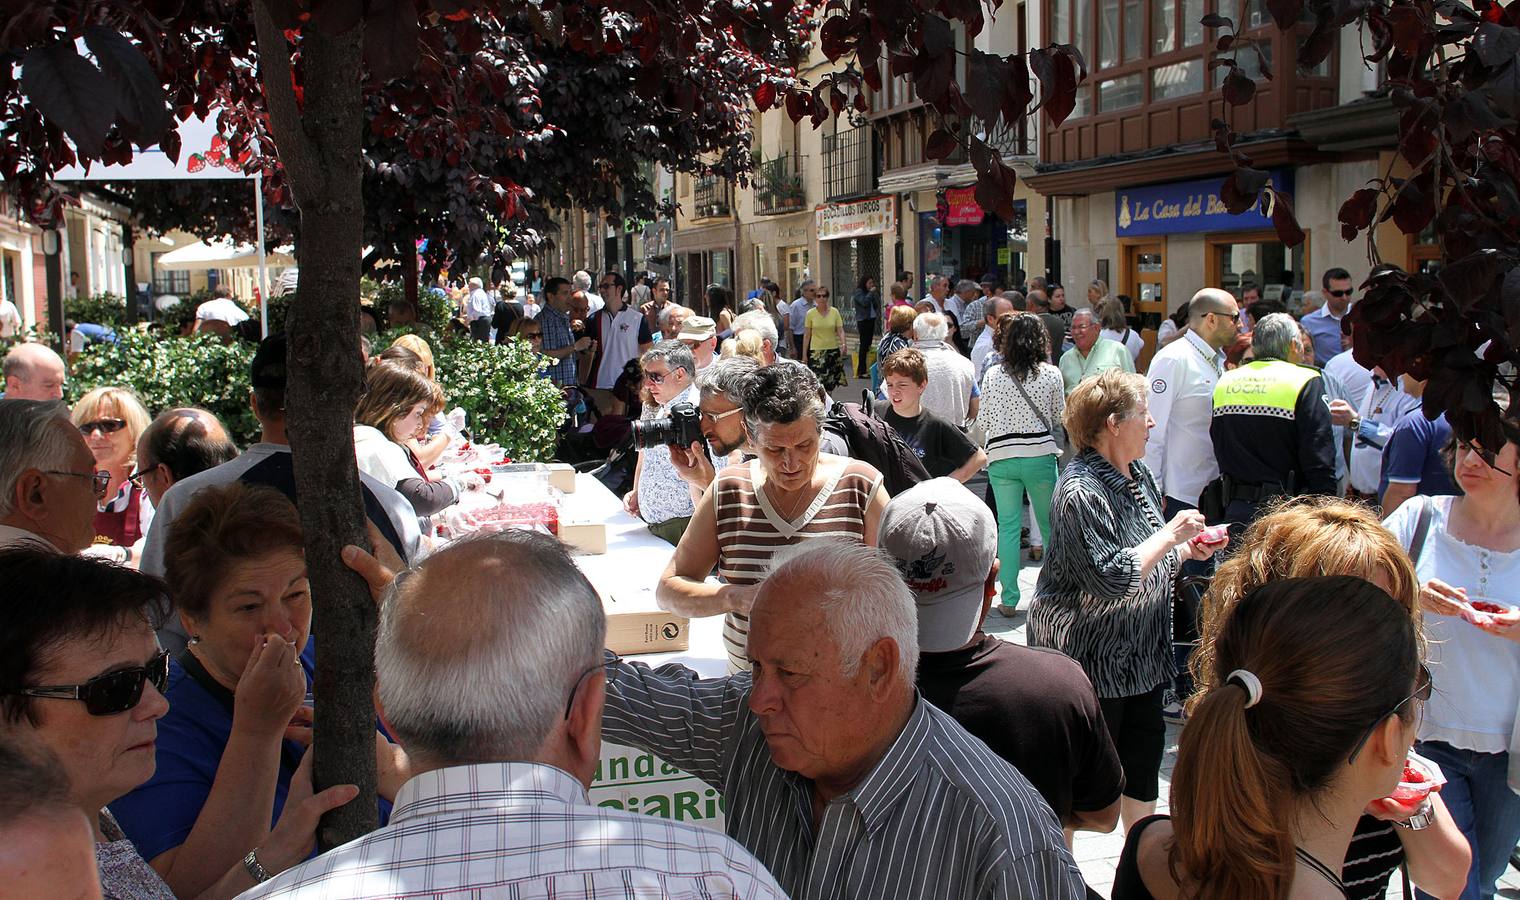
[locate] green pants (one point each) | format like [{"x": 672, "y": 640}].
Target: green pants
[
  {"x": 1011, "y": 479},
  {"x": 671, "y": 530}
]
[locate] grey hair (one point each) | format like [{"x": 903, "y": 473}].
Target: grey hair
[
  {"x": 639, "y": 294},
  {"x": 675, "y": 354},
  {"x": 30, "y": 439},
  {"x": 484, "y": 674},
  {"x": 726, "y": 377},
  {"x": 664, "y": 317},
  {"x": 1083, "y": 312},
  {"x": 803, "y": 285},
  {"x": 861, "y": 594},
  {"x": 930, "y": 327},
  {"x": 759, "y": 321},
  {"x": 582, "y": 280},
  {"x": 751, "y": 304},
  {"x": 966, "y": 284},
  {"x": 1274, "y": 336},
  {"x": 782, "y": 394}
]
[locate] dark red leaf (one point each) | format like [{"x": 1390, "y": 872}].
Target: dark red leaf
[
  {"x": 1469, "y": 279},
  {"x": 334, "y": 17},
  {"x": 390, "y": 38},
  {"x": 1059, "y": 69},
  {"x": 1284, "y": 221},
  {"x": 1224, "y": 43},
  {"x": 141, "y": 105},
  {"x": 986, "y": 76},
  {"x": 834, "y": 37},
  {"x": 71, "y": 93},
  {"x": 1215, "y": 20},
  {"x": 940, "y": 144},
  {"x": 1238, "y": 88},
  {"x": 765, "y": 96},
  {"x": 1357, "y": 212},
  {"x": 1285, "y": 12},
  {"x": 1242, "y": 188},
  {"x": 1409, "y": 28}
]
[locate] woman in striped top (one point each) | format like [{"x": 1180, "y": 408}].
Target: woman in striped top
[
  {"x": 790, "y": 493},
  {"x": 1104, "y": 597},
  {"x": 1021, "y": 399}
]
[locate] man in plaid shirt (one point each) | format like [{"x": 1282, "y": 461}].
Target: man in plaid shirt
[{"x": 560, "y": 343}]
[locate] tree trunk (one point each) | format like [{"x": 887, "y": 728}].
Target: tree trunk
[{"x": 319, "y": 147}]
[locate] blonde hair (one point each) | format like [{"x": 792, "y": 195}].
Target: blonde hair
[
  {"x": 1110, "y": 394},
  {"x": 1299, "y": 538},
  {"x": 420, "y": 347},
  {"x": 745, "y": 342},
  {"x": 127, "y": 405}
]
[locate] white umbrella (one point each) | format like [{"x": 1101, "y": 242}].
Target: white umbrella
[{"x": 202, "y": 255}]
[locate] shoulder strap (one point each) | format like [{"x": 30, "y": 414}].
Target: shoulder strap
[
  {"x": 1039, "y": 413},
  {"x": 1421, "y": 529}
]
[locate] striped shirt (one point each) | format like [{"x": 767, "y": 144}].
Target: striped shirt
[
  {"x": 751, "y": 530},
  {"x": 940, "y": 816},
  {"x": 527, "y": 832}
]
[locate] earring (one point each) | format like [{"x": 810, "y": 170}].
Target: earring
[{"x": 194, "y": 639}]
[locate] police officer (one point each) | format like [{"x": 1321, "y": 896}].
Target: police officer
[{"x": 1270, "y": 428}]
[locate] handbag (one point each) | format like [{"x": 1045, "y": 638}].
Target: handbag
[{"x": 1044, "y": 420}]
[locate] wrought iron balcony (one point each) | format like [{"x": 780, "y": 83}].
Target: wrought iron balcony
[
  {"x": 1009, "y": 138},
  {"x": 848, "y": 164},
  {"x": 711, "y": 197},
  {"x": 779, "y": 187}
]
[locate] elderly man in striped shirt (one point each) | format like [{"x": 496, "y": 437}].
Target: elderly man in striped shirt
[{"x": 836, "y": 774}]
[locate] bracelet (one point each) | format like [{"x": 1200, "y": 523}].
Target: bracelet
[{"x": 255, "y": 869}]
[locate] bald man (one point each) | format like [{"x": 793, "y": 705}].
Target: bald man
[
  {"x": 1182, "y": 377},
  {"x": 33, "y": 372},
  {"x": 181, "y": 442}
]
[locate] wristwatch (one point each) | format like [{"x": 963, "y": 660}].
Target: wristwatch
[
  {"x": 1423, "y": 818},
  {"x": 260, "y": 874}
]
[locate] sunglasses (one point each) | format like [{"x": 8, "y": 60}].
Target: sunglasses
[
  {"x": 1421, "y": 693},
  {"x": 104, "y": 426},
  {"x": 1487, "y": 456},
  {"x": 609, "y": 666},
  {"x": 113, "y": 692},
  {"x": 1346, "y": 293},
  {"x": 1233, "y": 317},
  {"x": 100, "y": 482},
  {"x": 659, "y": 377},
  {"x": 137, "y": 477}
]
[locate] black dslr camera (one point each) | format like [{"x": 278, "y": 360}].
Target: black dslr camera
[{"x": 682, "y": 428}]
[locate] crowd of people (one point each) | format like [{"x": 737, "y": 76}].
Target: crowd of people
[{"x": 1238, "y": 529}]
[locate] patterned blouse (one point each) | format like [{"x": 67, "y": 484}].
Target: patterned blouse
[
  {"x": 124, "y": 875},
  {"x": 1091, "y": 601}
]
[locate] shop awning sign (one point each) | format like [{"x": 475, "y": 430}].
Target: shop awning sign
[
  {"x": 1187, "y": 206},
  {"x": 963, "y": 208},
  {"x": 858, "y": 219}
]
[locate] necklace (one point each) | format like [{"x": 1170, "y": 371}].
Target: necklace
[
  {"x": 1324, "y": 871},
  {"x": 789, "y": 514}
]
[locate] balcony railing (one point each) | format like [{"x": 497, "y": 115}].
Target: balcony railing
[
  {"x": 712, "y": 196},
  {"x": 779, "y": 187},
  {"x": 848, "y": 169}
]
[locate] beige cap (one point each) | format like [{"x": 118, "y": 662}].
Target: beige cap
[{"x": 697, "y": 328}]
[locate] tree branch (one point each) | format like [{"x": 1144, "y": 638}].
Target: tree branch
[{"x": 280, "y": 99}]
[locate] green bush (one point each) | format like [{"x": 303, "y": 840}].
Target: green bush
[
  {"x": 173, "y": 371},
  {"x": 176, "y": 320},
  {"x": 109, "y": 310},
  {"x": 505, "y": 399}
]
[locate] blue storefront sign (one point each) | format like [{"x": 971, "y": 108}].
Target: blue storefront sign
[{"x": 1187, "y": 206}]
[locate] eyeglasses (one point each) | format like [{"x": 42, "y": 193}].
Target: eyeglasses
[
  {"x": 659, "y": 377},
  {"x": 137, "y": 477},
  {"x": 104, "y": 426},
  {"x": 1487, "y": 456},
  {"x": 1345, "y": 293},
  {"x": 113, "y": 692},
  {"x": 1421, "y": 693},
  {"x": 609, "y": 666},
  {"x": 100, "y": 482},
  {"x": 1233, "y": 317},
  {"x": 715, "y": 418}
]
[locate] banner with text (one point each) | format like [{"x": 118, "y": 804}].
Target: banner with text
[
  {"x": 1187, "y": 206},
  {"x": 858, "y": 219}
]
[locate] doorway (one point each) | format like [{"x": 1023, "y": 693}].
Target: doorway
[{"x": 1145, "y": 281}]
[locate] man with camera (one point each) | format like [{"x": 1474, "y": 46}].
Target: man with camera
[
  {"x": 720, "y": 411},
  {"x": 660, "y": 496}
]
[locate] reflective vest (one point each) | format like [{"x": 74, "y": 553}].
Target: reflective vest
[{"x": 1265, "y": 387}]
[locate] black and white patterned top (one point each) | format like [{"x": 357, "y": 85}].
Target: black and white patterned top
[
  {"x": 1091, "y": 601},
  {"x": 940, "y": 817}
]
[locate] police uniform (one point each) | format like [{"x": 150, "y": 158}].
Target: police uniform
[{"x": 1271, "y": 436}]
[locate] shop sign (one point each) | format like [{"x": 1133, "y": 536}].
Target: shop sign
[
  {"x": 640, "y": 782},
  {"x": 857, "y": 219},
  {"x": 962, "y": 207},
  {"x": 1187, "y": 206}
]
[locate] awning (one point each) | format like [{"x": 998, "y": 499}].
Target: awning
[{"x": 201, "y": 256}]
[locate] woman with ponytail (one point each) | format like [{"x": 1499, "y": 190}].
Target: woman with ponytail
[{"x": 1312, "y": 723}]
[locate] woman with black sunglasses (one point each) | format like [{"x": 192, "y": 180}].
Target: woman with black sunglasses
[
  {"x": 1311, "y": 725},
  {"x": 111, "y": 419},
  {"x": 82, "y": 677},
  {"x": 231, "y": 749},
  {"x": 1467, "y": 558}
]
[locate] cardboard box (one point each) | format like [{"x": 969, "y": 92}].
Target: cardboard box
[
  {"x": 562, "y": 476},
  {"x": 636, "y": 624},
  {"x": 584, "y": 537}
]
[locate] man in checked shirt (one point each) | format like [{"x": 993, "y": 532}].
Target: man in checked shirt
[{"x": 837, "y": 775}]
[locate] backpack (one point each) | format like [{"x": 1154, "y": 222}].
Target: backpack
[{"x": 875, "y": 442}]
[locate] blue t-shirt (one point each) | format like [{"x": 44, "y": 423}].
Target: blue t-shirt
[
  {"x": 159, "y": 814},
  {"x": 1413, "y": 455}
]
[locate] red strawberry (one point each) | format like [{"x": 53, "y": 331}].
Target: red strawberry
[{"x": 196, "y": 163}]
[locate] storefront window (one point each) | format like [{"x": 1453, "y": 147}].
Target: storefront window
[
  {"x": 1177, "y": 80},
  {"x": 1108, "y": 33},
  {"x": 1267, "y": 264},
  {"x": 1163, "y": 26},
  {"x": 1120, "y": 93},
  {"x": 1192, "y": 22},
  {"x": 1134, "y": 25}
]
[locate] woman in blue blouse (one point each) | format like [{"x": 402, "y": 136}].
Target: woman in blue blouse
[
  {"x": 236, "y": 728},
  {"x": 1104, "y": 596}
]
